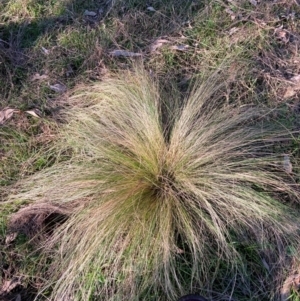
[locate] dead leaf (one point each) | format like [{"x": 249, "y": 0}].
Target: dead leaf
[
  {"x": 9, "y": 285},
  {"x": 46, "y": 51},
  {"x": 296, "y": 79},
  {"x": 282, "y": 34},
  {"x": 180, "y": 47},
  {"x": 293, "y": 88},
  {"x": 37, "y": 76},
  {"x": 10, "y": 237},
  {"x": 233, "y": 30},
  {"x": 157, "y": 44},
  {"x": 253, "y": 2},
  {"x": 231, "y": 13},
  {"x": 89, "y": 13},
  {"x": 58, "y": 88},
  {"x": 124, "y": 53},
  {"x": 150, "y": 8},
  {"x": 265, "y": 264},
  {"x": 287, "y": 165},
  {"x": 6, "y": 114},
  {"x": 34, "y": 112},
  {"x": 290, "y": 92}
]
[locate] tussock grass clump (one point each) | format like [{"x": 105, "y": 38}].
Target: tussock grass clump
[{"x": 163, "y": 205}]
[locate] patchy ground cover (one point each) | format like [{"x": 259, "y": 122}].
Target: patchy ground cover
[{"x": 48, "y": 49}]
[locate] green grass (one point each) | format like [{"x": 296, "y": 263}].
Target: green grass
[
  {"x": 78, "y": 56},
  {"x": 24, "y": 148}
]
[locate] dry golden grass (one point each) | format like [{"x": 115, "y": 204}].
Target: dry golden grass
[{"x": 164, "y": 204}]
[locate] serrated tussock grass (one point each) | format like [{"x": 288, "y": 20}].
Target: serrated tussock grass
[{"x": 163, "y": 205}]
